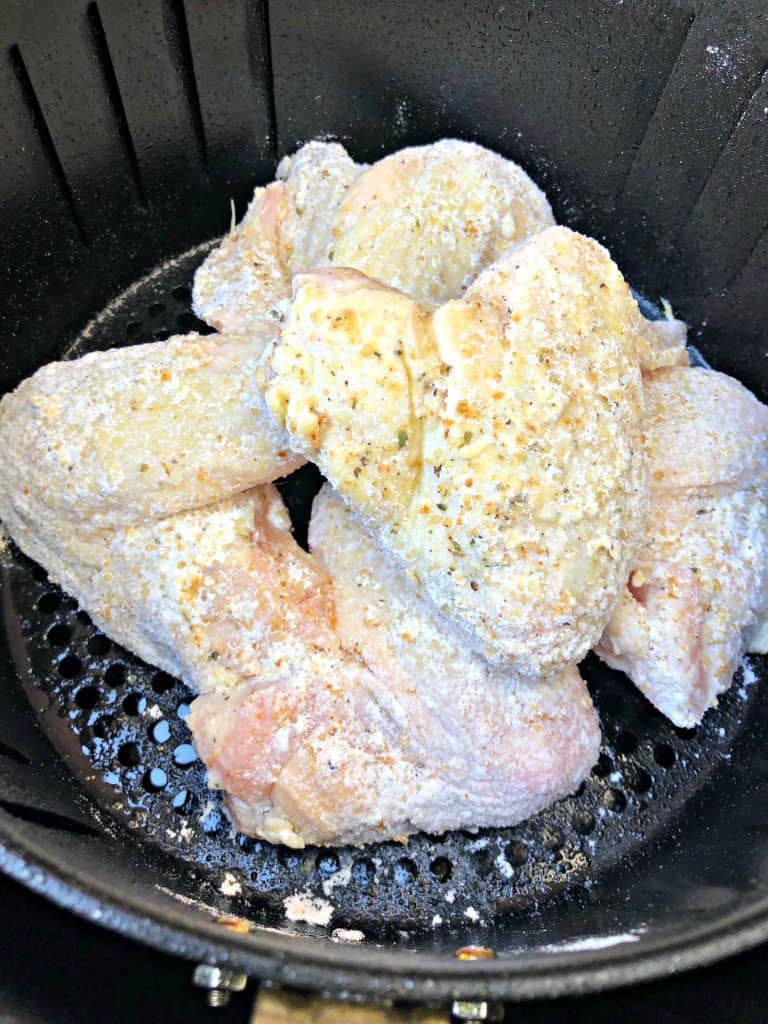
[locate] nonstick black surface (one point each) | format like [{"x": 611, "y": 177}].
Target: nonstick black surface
[{"x": 127, "y": 130}]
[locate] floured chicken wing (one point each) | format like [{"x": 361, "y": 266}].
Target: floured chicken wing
[
  {"x": 119, "y": 436},
  {"x": 699, "y": 592},
  {"x": 425, "y": 219},
  {"x": 662, "y": 343},
  {"x": 494, "y": 446},
  {"x": 240, "y": 286},
  {"x": 382, "y": 726},
  {"x": 314, "y": 740},
  {"x": 428, "y": 219}
]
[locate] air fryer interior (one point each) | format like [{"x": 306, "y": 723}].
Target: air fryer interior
[{"x": 128, "y": 129}]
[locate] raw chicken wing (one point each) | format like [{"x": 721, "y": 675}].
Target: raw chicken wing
[
  {"x": 314, "y": 742},
  {"x": 494, "y": 446},
  {"x": 119, "y": 436},
  {"x": 699, "y": 592},
  {"x": 425, "y": 219},
  {"x": 384, "y": 726}
]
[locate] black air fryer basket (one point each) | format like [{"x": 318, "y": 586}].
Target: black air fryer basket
[{"x": 126, "y": 129}]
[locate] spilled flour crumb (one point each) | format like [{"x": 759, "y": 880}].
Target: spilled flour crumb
[
  {"x": 230, "y": 886},
  {"x": 504, "y": 866},
  {"x": 303, "y": 906},
  {"x": 748, "y": 677},
  {"x": 594, "y": 942},
  {"x": 347, "y": 935},
  {"x": 339, "y": 879}
]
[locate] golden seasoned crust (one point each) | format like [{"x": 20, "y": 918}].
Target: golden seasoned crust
[{"x": 494, "y": 446}]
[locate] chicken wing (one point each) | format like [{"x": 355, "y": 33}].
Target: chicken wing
[
  {"x": 494, "y": 446},
  {"x": 315, "y": 738},
  {"x": 699, "y": 592},
  {"x": 241, "y": 284},
  {"x": 385, "y": 726},
  {"x": 425, "y": 219},
  {"x": 118, "y": 436}
]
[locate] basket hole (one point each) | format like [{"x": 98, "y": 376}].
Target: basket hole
[
  {"x": 181, "y": 293},
  {"x": 157, "y": 309},
  {"x": 183, "y": 711},
  {"x": 87, "y": 697},
  {"x": 404, "y": 871},
  {"x": 133, "y": 330},
  {"x": 626, "y": 742},
  {"x": 99, "y": 644},
  {"x": 641, "y": 781},
  {"x": 128, "y": 755},
  {"x": 363, "y": 872},
  {"x": 441, "y": 868},
  {"x": 664, "y": 755},
  {"x": 69, "y": 667},
  {"x": 115, "y": 674},
  {"x": 49, "y": 603},
  {"x": 102, "y": 727},
  {"x": 183, "y": 801},
  {"x": 162, "y": 335},
  {"x": 184, "y": 755},
  {"x": 84, "y": 618},
  {"x": 160, "y": 732},
  {"x": 483, "y": 863},
  {"x": 134, "y": 704},
  {"x": 154, "y": 780},
  {"x": 288, "y": 858},
  {"x": 516, "y": 853},
  {"x": 59, "y": 635},
  {"x": 326, "y": 863},
  {"x": 614, "y": 800},
  {"x": 39, "y": 574},
  {"x": 583, "y": 823},
  {"x": 162, "y": 682},
  {"x": 604, "y": 766}
]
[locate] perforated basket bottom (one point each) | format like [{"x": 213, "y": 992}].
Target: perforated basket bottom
[{"x": 121, "y": 726}]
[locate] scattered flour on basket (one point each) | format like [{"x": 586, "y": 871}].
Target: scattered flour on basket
[
  {"x": 303, "y": 906},
  {"x": 230, "y": 886},
  {"x": 594, "y": 942},
  {"x": 337, "y": 880},
  {"x": 347, "y": 935}
]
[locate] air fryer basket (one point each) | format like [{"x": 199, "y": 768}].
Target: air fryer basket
[{"x": 127, "y": 129}]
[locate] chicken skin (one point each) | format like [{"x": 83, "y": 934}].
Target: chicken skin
[
  {"x": 492, "y": 446},
  {"x": 698, "y": 595},
  {"x": 425, "y": 219}
]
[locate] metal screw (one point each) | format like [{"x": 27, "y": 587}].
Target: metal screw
[
  {"x": 220, "y": 982},
  {"x": 477, "y": 1010}
]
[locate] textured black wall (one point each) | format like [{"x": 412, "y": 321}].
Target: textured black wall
[{"x": 127, "y": 128}]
